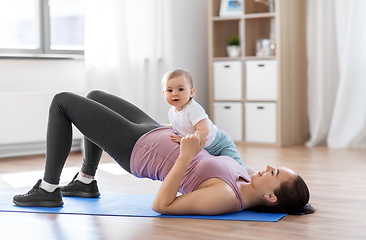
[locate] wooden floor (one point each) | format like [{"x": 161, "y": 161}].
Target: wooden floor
[{"x": 337, "y": 181}]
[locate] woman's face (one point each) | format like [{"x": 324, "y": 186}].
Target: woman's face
[{"x": 268, "y": 180}]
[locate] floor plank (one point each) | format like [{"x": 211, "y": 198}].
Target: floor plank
[{"x": 336, "y": 178}]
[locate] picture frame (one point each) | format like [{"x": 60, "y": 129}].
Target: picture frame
[{"x": 231, "y": 8}]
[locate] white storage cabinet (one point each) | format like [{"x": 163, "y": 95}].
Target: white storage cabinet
[
  {"x": 227, "y": 80},
  {"x": 260, "y": 122},
  {"x": 228, "y": 116},
  {"x": 261, "y": 80}
]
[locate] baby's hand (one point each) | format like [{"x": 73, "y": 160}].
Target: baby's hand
[{"x": 175, "y": 138}]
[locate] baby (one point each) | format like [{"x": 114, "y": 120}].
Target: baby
[{"x": 188, "y": 117}]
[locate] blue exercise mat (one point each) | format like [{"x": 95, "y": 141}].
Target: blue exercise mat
[{"x": 124, "y": 206}]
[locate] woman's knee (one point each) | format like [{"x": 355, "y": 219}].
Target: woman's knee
[
  {"x": 61, "y": 97},
  {"x": 95, "y": 94},
  {"x": 60, "y": 100}
]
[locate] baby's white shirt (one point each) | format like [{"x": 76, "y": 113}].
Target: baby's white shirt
[{"x": 183, "y": 121}]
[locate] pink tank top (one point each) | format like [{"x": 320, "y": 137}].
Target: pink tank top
[{"x": 154, "y": 154}]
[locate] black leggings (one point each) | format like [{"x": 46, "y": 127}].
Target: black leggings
[{"x": 107, "y": 122}]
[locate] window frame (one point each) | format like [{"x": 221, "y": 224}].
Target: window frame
[{"x": 44, "y": 50}]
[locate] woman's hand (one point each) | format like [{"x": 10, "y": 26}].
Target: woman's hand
[{"x": 190, "y": 146}]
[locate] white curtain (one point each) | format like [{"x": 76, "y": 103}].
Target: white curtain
[
  {"x": 127, "y": 49},
  {"x": 336, "y": 32}
]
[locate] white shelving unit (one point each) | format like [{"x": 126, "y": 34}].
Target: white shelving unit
[{"x": 269, "y": 93}]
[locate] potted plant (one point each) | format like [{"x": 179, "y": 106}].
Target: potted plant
[{"x": 233, "y": 48}]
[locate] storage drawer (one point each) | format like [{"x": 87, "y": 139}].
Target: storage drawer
[
  {"x": 261, "y": 122},
  {"x": 261, "y": 80},
  {"x": 227, "y": 80},
  {"x": 229, "y": 117}
]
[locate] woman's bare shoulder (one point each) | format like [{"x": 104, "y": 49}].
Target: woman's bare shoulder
[{"x": 219, "y": 186}]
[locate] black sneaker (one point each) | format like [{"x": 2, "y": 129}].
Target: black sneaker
[
  {"x": 37, "y": 197},
  {"x": 78, "y": 189}
]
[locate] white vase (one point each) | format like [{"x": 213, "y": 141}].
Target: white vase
[{"x": 233, "y": 51}]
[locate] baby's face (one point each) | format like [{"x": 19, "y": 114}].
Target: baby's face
[{"x": 178, "y": 91}]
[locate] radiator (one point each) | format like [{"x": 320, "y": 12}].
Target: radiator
[{"x": 23, "y": 124}]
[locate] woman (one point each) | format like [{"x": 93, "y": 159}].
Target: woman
[{"x": 210, "y": 185}]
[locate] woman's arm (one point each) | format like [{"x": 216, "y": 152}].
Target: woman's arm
[
  {"x": 216, "y": 198},
  {"x": 189, "y": 148}
]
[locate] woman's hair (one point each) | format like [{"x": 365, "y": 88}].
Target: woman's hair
[
  {"x": 175, "y": 73},
  {"x": 292, "y": 198}
]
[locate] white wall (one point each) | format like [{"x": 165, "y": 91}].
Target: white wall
[
  {"x": 42, "y": 75},
  {"x": 26, "y": 90},
  {"x": 187, "y": 49},
  {"x": 190, "y": 44}
]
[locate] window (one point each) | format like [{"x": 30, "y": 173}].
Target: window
[{"x": 42, "y": 26}]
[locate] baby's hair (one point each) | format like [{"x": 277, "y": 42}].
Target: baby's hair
[{"x": 175, "y": 73}]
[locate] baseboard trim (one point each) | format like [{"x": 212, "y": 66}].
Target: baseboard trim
[{"x": 34, "y": 148}]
